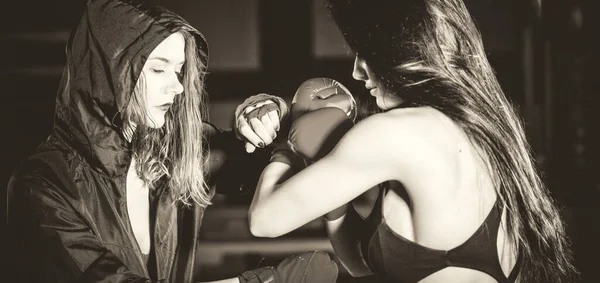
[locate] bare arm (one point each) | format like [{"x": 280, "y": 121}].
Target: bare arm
[
  {"x": 366, "y": 156},
  {"x": 340, "y": 232},
  {"x": 273, "y": 174}
]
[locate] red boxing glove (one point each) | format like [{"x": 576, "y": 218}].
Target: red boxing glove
[
  {"x": 314, "y": 94},
  {"x": 314, "y": 134},
  {"x": 323, "y": 111},
  {"x": 318, "y": 123},
  {"x": 319, "y": 93}
]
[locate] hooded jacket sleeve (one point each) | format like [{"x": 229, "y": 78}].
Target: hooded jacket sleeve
[
  {"x": 230, "y": 169},
  {"x": 51, "y": 242}
]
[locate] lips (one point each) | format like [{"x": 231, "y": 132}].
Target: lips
[{"x": 164, "y": 107}]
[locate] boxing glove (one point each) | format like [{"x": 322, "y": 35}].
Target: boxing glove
[
  {"x": 315, "y": 141},
  {"x": 318, "y": 93},
  {"x": 314, "y": 134},
  {"x": 323, "y": 110},
  {"x": 314, "y": 94},
  {"x": 305, "y": 267},
  {"x": 260, "y": 275}
]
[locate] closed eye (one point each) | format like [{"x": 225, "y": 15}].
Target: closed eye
[{"x": 158, "y": 71}]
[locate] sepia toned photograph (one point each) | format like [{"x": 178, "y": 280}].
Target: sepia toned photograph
[{"x": 308, "y": 141}]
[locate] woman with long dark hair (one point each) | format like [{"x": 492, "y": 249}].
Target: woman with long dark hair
[{"x": 459, "y": 196}]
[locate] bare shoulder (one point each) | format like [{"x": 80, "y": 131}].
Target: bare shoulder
[
  {"x": 401, "y": 126},
  {"x": 401, "y": 138}
]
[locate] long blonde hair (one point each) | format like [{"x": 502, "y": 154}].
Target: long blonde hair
[
  {"x": 430, "y": 53},
  {"x": 173, "y": 155}
]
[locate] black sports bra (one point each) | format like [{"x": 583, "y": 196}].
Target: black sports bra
[{"x": 394, "y": 258}]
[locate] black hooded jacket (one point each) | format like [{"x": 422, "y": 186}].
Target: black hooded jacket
[{"x": 67, "y": 214}]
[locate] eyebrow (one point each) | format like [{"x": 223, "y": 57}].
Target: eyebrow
[{"x": 164, "y": 60}]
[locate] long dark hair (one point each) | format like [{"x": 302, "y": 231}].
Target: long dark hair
[{"x": 430, "y": 53}]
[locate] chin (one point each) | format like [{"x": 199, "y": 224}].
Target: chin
[
  {"x": 388, "y": 102},
  {"x": 380, "y": 104},
  {"x": 156, "y": 122}
]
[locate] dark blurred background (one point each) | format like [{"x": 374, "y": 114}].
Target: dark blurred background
[{"x": 542, "y": 51}]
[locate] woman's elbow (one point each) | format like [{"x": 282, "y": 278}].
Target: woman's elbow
[
  {"x": 260, "y": 231},
  {"x": 262, "y": 226}
]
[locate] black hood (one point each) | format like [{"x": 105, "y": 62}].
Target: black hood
[{"x": 105, "y": 56}]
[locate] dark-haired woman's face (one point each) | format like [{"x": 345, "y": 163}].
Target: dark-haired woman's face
[{"x": 384, "y": 98}]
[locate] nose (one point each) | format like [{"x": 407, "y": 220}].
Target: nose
[
  {"x": 358, "y": 71},
  {"x": 174, "y": 87}
]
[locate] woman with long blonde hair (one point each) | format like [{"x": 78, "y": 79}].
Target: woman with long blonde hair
[{"x": 118, "y": 190}]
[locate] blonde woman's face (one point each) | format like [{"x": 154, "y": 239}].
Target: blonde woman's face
[
  {"x": 162, "y": 76},
  {"x": 384, "y": 98}
]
